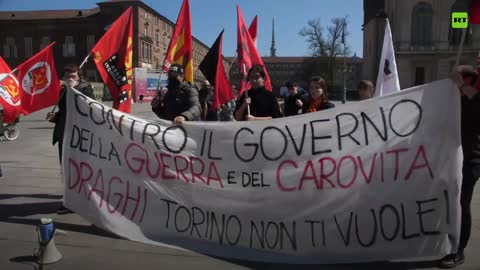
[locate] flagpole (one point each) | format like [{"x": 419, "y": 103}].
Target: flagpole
[
  {"x": 61, "y": 94},
  {"x": 10, "y": 73},
  {"x": 460, "y": 47},
  {"x": 246, "y": 90}
]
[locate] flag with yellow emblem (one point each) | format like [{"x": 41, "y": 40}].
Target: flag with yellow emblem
[
  {"x": 113, "y": 58},
  {"x": 180, "y": 47},
  {"x": 10, "y": 94},
  {"x": 39, "y": 84}
]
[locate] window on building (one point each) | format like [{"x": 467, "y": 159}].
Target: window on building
[
  {"x": 45, "y": 42},
  {"x": 422, "y": 19},
  {"x": 28, "y": 47},
  {"x": 146, "y": 15},
  {"x": 146, "y": 51},
  {"x": 419, "y": 75},
  {"x": 145, "y": 29},
  {"x": 9, "y": 48},
  {"x": 157, "y": 39},
  {"x": 90, "y": 42},
  {"x": 68, "y": 47}
]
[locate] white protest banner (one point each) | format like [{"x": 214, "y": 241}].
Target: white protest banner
[{"x": 372, "y": 181}]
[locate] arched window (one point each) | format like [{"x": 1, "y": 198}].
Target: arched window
[
  {"x": 455, "y": 34},
  {"x": 422, "y": 17}
]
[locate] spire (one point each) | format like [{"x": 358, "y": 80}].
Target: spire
[{"x": 273, "y": 50}]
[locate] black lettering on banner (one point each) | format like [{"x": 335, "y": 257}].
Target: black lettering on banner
[
  {"x": 220, "y": 233},
  {"x": 83, "y": 138},
  {"x": 246, "y": 144},
  {"x": 203, "y": 142},
  {"x": 230, "y": 178},
  {"x": 151, "y": 135},
  {"x": 285, "y": 143},
  {"x": 272, "y": 226},
  {"x": 365, "y": 118},
  {"x": 402, "y": 102},
  {"x": 345, "y": 236},
  {"x": 177, "y": 219},
  {"x": 349, "y": 134},
  {"x": 396, "y": 222},
  {"x": 75, "y": 140},
  {"x": 111, "y": 121},
  {"x": 374, "y": 233},
  {"x": 292, "y": 236},
  {"x": 229, "y": 229},
  {"x": 184, "y": 139},
  {"x": 196, "y": 223},
  {"x": 101, "y": 108},
  {"x": 132, "y": 128},
  {"x": 210, "y": 155},
  {"x": 312, "y": 230},
  {"x": 298, "y": 149},
  {"x": 404, "y": 226},
  {"x": 114, "y": 152},
  {"x": 77, "y": 106},
  {"x": 422, "y": 212},
  {"x": 260, "y": 235},
  {"x": 168, "y": 210},
  {"x": 315, "y": 138}
]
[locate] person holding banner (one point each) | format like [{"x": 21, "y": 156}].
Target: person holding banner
[
  {"x": 73, "y": 79},
  {"x": 318, "y": 99},
  {"x": 257, "y": 103},
  {"x": 180, "y": 102},
  {"x": 465, "y": 77}
]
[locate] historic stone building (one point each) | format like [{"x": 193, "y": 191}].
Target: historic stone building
[
  {"x": 425, "y": 43},
  {"x": 24, "y": 33}
]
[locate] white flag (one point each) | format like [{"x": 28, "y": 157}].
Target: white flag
[{"x": 387, "y": 80}]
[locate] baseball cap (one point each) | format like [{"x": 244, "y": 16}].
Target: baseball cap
[{"x": 176, "y": 68}]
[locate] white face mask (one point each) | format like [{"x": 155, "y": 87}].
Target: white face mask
[{"x": 72, "y": 82}]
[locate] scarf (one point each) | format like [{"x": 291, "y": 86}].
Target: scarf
[{"x": 314, "y": 104}]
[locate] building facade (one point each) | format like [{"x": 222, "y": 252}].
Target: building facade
[
  {"x": 425, "y": 44},
  {"x": 24, "y": 33},
  {"x": 300, "y": 69}
]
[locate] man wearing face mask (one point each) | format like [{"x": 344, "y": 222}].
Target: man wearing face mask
[
  {"x": 263, "y": 104},
  {"x": 180, "y": 102},
  {"x": 73, "y": 78}
]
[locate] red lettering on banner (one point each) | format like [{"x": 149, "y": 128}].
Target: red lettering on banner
[{"x": 343, "y": 173}]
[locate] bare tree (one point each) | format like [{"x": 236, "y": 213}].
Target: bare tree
[
  {"x": 332, "y": 45},
  {"x": 313, "y": 33}
]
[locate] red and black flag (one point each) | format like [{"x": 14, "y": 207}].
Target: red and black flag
[
  {"x": 113, "y": 57},
  {"x": 214, "y": 71}
]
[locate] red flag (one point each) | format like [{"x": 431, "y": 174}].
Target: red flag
[
  {"x": 113, "y": 57},
  {"x": 253, "y": 30},
  {"x": 474, "y": 12},
  {"x": 39, "y": 81},
  {"x": 180, "y": 47},
  {"x": 10, "y": 94},
  {"x": 247, "y": 54},
  {"x": 214, "y": 71}
]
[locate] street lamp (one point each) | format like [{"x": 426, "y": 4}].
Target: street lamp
[{"x": 344, "y": 94}]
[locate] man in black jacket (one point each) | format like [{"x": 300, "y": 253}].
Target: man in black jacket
[
  {"x": 180, "y": 102},
  {"x": 465, "y": 78},
  {"x": 294, "y": 101},
  {"x": 73, "y": 78}
]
